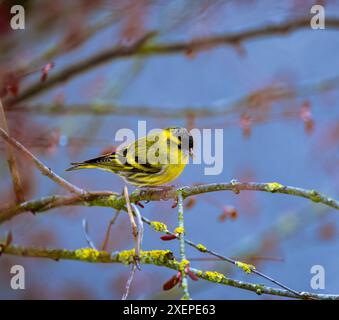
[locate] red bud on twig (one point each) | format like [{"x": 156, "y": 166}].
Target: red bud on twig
[
  {"x": 168, "y": 237},
  {"x": 306, "y": 116},
  {"x": 191, "y": 274},
  {"x": 171, "y": 283},
  {"x": 246, "y": 124},
  {"x": 44, "y": 72}
]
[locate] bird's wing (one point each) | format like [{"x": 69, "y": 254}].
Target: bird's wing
[
  {"x": 137, "y": 154},
  {"x": 133, "y": 158}
]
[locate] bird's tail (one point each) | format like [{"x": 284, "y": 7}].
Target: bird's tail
[{"x": 98, "y": 163}]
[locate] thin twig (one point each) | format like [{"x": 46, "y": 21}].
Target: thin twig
[
  {"x": 87, "y": 237},
  {"x": 108, "y": 230},
  {"x": 42, "y": 168},
  {"x": 133, "y": 224},
  {"x": 138, "y": 242},
  {"x": 12, "y": 165},
  {"x": 129, "y": 282},
  {"x": 222, "y": 257},
  {"x": 181, "y": 237},
  {"x": 140, "y": 226}
]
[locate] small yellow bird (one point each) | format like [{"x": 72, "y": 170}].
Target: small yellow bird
[{"x": 151, "y": 161}]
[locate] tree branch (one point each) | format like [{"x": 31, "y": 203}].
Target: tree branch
[
  {"x": 140, "y": 49},
  {"x": 82, "y": 66},
  {"x": 250, "y": 101},
  {"x": 42, "y": 168},
  {"x": 184, "y": 263},
  {"x": 161, "y": 227},
  {"x": 163, "y": 258},
  {"x": 12, "y": 164},
  {"x": 114, "y": 200}
]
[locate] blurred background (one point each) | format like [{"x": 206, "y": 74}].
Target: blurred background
[{"x": 275, "y": 96}]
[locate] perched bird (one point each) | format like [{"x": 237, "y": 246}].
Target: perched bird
[{"x": 150, "y": 161}]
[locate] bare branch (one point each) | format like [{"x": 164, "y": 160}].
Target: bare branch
[
  {"x": 135, "y": 230},
  {"x": 140, "y": 226},
  {"x": 267, "y": 94},
  {"x": 12, "y": 165},
  {"x": 141, "y": 49},
  {"x": 87, "y": 237},
  {"x": 108, "y": 231},
  {"x": 129, "y": 282},
  {"x": 80, "y": 67},
  {"x": 42, "y": 168}
]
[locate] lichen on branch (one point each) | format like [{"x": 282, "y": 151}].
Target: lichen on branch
[{"x": 162, "y": 258}]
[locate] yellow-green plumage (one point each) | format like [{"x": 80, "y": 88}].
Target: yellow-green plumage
[{"x": 154, "y": 160}]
